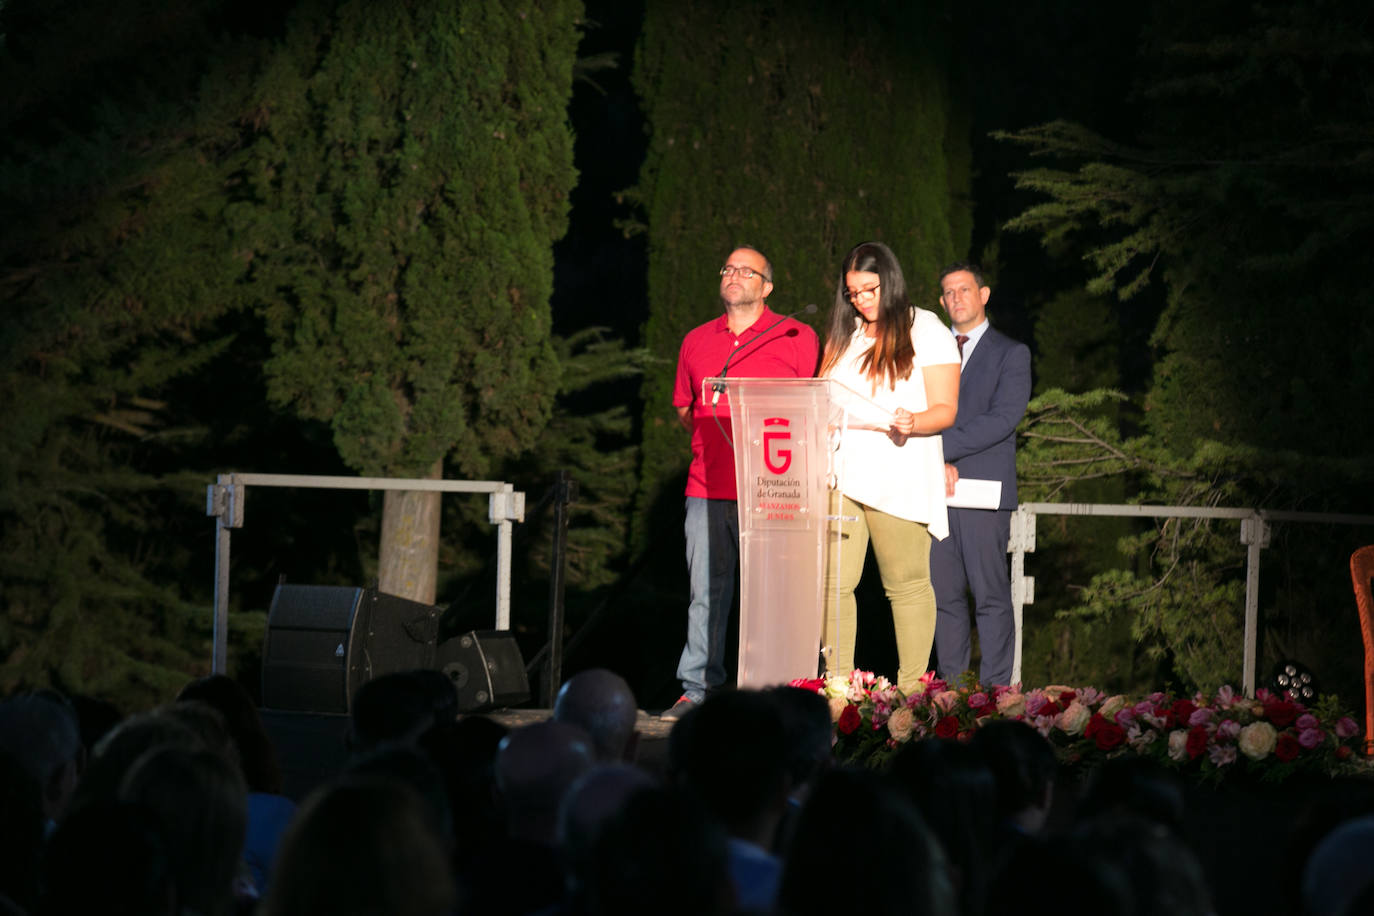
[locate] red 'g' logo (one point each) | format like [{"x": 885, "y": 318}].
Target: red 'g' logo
[{"x": 776, "y": 458}]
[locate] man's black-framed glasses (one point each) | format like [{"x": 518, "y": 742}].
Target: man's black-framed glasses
[{"x": 745, "y": 273}]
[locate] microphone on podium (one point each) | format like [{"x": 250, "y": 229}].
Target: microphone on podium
[{"x": 718, "y": 387}]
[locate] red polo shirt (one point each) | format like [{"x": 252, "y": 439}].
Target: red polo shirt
[{"x": 789, "y": 350}]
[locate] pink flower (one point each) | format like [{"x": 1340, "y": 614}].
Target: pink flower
[
  {"x": 1307, "y": 720},
  {"x": 978, "y": 700},
  {"x": 1200, "y": 717},
  {"x": 1225, "y": 696},
  {"x": 1089, "y": 696},
  {"x": 1139, "y": 739},
  {"x": 1125, "y": 717},
  {"x": 947, "y": 700},
  {"x": 1143, "y": 708},
  {"x": 1221, "y": 756},
  {"x": 1311, "y": 737},
  {"x": 1346, "y": 728},
  {"x": 1228, "y": 730}
]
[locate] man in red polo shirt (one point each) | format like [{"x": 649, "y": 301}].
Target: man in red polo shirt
[{"x": 753, "y": 342}]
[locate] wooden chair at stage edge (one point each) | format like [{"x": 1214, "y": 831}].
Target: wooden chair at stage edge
[{"x": 1361, "y": 572}]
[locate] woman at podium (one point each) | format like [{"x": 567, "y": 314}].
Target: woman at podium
[{"x": 890, "y": 471}]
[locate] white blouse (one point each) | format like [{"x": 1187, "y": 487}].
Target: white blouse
[{"x": 907, "y": 481}]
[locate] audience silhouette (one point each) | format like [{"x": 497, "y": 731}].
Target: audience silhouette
[{"x": 180, "y": 811}]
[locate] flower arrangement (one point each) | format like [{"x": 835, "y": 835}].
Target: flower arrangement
[{"x": 1271, "y": 736}]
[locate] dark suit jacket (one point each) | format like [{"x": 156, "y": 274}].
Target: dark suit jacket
[{"x": 994, "y": 389}]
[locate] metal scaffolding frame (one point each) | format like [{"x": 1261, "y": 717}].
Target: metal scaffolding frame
[
  {"x": 224, "y": 501},
  {"x": 1254, "y": 534}
]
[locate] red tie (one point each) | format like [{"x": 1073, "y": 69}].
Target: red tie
[{"x": 961, "y": 339}]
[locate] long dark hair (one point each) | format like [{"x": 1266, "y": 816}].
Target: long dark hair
[{"x": 892, "y": 355}]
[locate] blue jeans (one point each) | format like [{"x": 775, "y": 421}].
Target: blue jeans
[{"x": 712, "y": 529}]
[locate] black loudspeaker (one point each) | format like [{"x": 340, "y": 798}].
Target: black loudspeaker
[
  {"x": 326, "y": 641},
  {"x": 486, "y": 667}
]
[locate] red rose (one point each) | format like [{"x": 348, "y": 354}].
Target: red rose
[
  {"x": 1050, "y": 709},
  {"x": 1068, "y": 696},
  {"x": 1343, "y": 753},
  {"x": 1109, "y": 735},
  {"x": 947, "y": 727},
  {"x": 1287, "y": 748},
  {"x": 1282, "y": 713},
  {"x": 1197, "y": 741},
  {"x": 984, "y": 711},
  {"x": 1182, "y": 711},
  {"x": 1096, "y": 722},
  {"x": 849, "y": 720}
]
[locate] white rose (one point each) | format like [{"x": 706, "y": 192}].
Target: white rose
[
  {"x": 1111, "y": 706},
  {"x": 1178, "y": 745},
  {"x": 1257, "y": 740},
  {"x": 900, "y": 723},
  {"x": 837, "y": 705},
  {"x": 1073, "y": 720},
  {"x": 1011, "y": 703}
]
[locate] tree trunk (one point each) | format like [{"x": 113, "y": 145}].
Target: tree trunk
[{"x": 408, "y": 565}]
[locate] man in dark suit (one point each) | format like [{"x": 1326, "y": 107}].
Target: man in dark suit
[{"x": 994, "y": 387}]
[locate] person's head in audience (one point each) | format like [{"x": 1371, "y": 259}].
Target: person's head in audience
[
  {"x": 1139, "y": 785},
  {"x": 1024, "y": 767},
  {"x": 413, "y": 767},
  {"x": 465, "y": 753},
  {"x": 953, "y": 788},
  {"x": 1084, "y": 884},
  {"x": 1337, "y": 877},
  {"x": 597, "y": 796},
  {"x": 361, "y": 847},
  {"x": 1324, "y": 805},
  {"x": 734, "y": 758},
  {"x": 209, "y": 726},
  {"x": 904, "y": 868},
  {"x": 22, "y": 826},
  {"x": 109, "y": 858},
  {"x": 261, "y": 769},
  {"x": 397, "y": 706},
  {"x": 661, "y": 854},
  {"x": 601, "y": 703},
  {"x": 807, "y": 731},
  {"x": 1165, "y": 877},
  {"x": 95, "y": 718},
  {"x": 125, "y": 744},
  {"x": 41, "y": 732},
  {"x": 199, "y": 802},
  {"x": 535, "y": 766}
]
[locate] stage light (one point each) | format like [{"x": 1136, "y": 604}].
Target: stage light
[{"x": 1295, "y": 679}]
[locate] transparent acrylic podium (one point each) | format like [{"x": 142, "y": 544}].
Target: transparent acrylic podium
[{"x": 785, "y": 433}]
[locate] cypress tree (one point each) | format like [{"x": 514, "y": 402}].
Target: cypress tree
[
  {"x": 409, "y": 176},
  {"x": 802, "y": 129}
]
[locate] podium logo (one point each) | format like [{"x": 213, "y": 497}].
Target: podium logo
[{"x": 776, "y": 458}]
